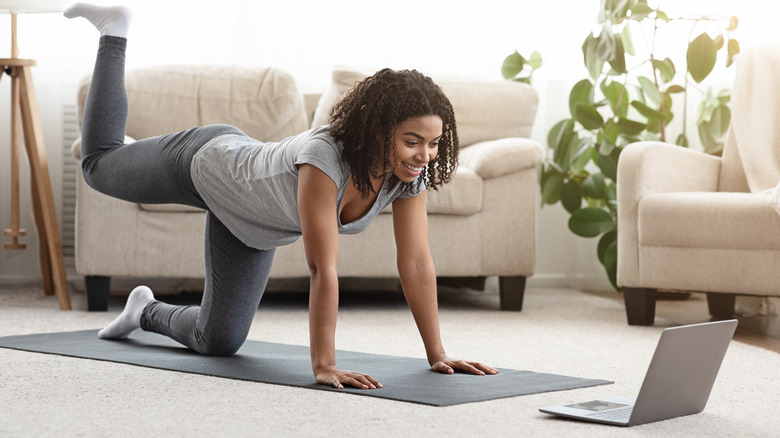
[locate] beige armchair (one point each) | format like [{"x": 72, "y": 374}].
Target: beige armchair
[
  {"x": 695, "y": 222},
  {"x": 481, "y": 224}
]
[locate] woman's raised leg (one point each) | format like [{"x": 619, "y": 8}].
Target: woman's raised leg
[{"x": 151, "y": 171}]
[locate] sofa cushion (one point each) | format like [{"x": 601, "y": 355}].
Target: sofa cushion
[
  {"x": 461, "y": 196},
  {"x": 709, "y": 220},
  {"x": 491, "y": 159},
  {"x": 484, "y": 110},
  {"x": 263, "y": 102}
]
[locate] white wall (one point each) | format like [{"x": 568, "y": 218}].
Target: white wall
[{"x": 307, "y": 38}]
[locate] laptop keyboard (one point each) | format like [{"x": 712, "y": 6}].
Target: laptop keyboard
[{"x": 618, "y": 414}]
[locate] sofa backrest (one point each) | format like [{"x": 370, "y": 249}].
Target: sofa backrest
[
  {"x": 484, "y": 110},
  {"x": 263, "y": 102}
]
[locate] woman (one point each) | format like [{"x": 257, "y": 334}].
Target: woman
[{"x": 391, "y": 137}]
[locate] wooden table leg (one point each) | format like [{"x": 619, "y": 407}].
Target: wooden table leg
[
  {"x": 15, "y": 232},
  {"x": 43, "y": 239},
  {"x": 36, "y": 153}
]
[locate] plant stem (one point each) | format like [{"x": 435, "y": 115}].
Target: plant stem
[{"x": 662, "y": 123}]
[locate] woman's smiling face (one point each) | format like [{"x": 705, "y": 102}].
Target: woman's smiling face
[{"x": 416, "y": 143}]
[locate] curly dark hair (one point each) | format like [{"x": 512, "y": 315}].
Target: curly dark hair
[{"x": 374, "y": 107}]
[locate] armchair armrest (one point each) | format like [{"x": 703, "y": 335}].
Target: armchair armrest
[
  {"x": 490, "y": 159},
  {"x": 654, "y": 167}
]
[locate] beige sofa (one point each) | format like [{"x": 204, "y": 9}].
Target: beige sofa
[
  {"x": 695, "y": 222},
  {"x": 481, "y": 224}
]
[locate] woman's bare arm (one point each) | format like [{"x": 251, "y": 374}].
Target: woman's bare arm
[
  {"x": 418, "y": 278},
  {"x": 317, "y": 205}
]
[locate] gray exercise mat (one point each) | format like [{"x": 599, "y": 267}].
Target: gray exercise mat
[{"x": 404, "y": 379}]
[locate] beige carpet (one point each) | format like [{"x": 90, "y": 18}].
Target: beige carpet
[{"x": 559, "y": 331}]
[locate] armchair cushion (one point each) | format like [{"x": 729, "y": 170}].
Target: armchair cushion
[{"x": 709, "y": 220}]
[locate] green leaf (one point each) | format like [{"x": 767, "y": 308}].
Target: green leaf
[
  {"x": 606, "y": 147},
  {"x": 674, "y": 89},
  {"x": 630, "y": 127},
  {"x": 618, "y": 60},
  {"x": 733, "y": 50},
  {"x": 571, "y": 196},
  {"x": 610, "y": 264},
  {"x": 610, "y": 194},
  {"x": 590, "y": 222},
  {"x": 605, "y": 49},
  {"x": 724, "y": 96},
  {"x": 535, "y": 61},
  {"x": 611, "y": 132},
  {"x": 640, "y": 11},
  {"x": 564, "y": 151},
  {"x": 559, "y": 132},
  {"x": 606, "y": 240},
  {"x": 719, "y": 121},
  {"x": 513, "y": 65},
  {"x": 651, "y": 114},
  {"x": 666, "y": 109},
  {"x": 551, "y": 188},
  {"x": 718, "y": 41},
  {"x": 585, "y": 153},
  {"x": 628, "y": 40},
  {"x": 581, "y": 93},
  {"x": 593, "y": 186},
  {"x": 682, "y": 140},
  {"x": 588, "y": 116},
  {"x": 708, "y": 142},
  {"x": 665, "y": 67},
  {"x": 618, "y": 97},
  {"x": 701, "y": 57},
  {"x": 733, "y": 23},
  {"x": 608, "y": 164},
  {"x": 650, "y": 90},
  {"x": 592, "y": 62}
]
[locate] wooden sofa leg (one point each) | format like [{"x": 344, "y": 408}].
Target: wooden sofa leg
[
  {"x": 640, "y": 305},
  {"x": 722, "y": 306},
  {"x": 98, "y": 288},
  {"x": 511, "y": 289}
]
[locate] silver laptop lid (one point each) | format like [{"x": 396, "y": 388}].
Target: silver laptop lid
[{"x": 683, "y": 370}]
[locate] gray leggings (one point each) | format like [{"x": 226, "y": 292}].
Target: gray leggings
[{"x": 157, "y": 170}]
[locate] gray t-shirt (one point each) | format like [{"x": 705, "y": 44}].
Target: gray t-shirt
[{"x": 252, "y": 187}]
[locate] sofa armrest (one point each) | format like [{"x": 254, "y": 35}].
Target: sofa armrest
[
  {"x": 494, "y": 158},
  {"x": 654, "y": 167}
]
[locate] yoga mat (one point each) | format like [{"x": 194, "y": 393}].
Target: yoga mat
[{"x": 404, "y": 379}]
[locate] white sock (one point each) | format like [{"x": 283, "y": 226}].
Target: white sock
[
  {"x": 109, "y": 20},
  {"x": 130, "y": 318}
]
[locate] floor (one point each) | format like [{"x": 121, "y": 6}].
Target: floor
[{"x": 758, "y": 331}]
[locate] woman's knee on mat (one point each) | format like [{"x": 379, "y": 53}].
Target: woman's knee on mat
[{"x": 221, "y": 345}]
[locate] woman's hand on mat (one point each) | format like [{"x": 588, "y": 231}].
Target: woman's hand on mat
[
  {"x": 447, "y": 365},
  {"x": 338, "y": 378}
]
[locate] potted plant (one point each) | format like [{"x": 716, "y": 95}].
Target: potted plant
[{"x": 628, "y": 96}]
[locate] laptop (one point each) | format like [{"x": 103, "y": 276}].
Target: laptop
[{"x": 678, "y": 381}]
